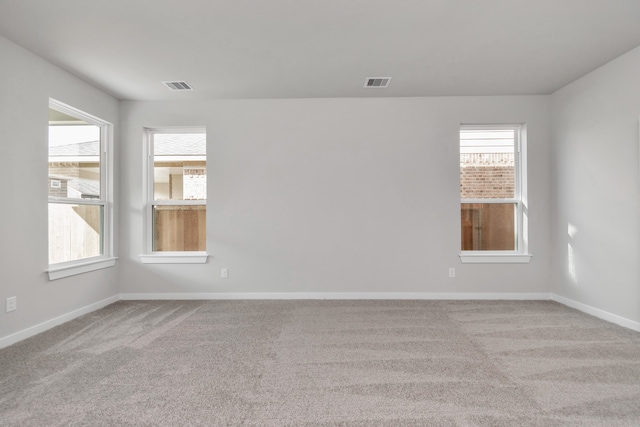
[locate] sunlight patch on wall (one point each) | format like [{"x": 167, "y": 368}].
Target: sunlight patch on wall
[{"x": 572, "y": 230}]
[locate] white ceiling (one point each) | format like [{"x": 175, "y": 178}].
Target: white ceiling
[{"x": 324, "y": 48}]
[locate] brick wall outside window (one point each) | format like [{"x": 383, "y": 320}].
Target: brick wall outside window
[{"x": 487, "y": 175}]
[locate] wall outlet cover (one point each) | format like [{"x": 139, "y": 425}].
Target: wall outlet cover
[{"x": 12, "y": 304}]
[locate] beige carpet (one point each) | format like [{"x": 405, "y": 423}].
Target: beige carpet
[{"x": 325, "y": 363}]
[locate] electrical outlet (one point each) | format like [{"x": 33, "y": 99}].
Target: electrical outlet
[
  {"x": 452, "y": 272},
  {"x": 12, "y": 304},
  {"x": 224, "y": 273}
]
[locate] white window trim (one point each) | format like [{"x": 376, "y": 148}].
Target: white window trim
[
  {"x": 164, "y": 257},
  {"x": 521, "y": 255},
  {"x": 107, "y": 259},
  {"x": 78, "y": 267},
  {"x": 175, "y": 258},
  {"x": 494, "y": 257}
]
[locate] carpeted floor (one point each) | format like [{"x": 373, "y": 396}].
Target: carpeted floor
[{"x": 325, "y": 363}]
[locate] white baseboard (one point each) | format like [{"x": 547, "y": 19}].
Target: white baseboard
[
  {"x": 601, "y": 314},
  {"x": 338, "y": 296},
  {"x": 34, "y": 330}
]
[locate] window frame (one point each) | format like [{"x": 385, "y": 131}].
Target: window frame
[
  {"x": 165, "y": 257},
  {"x": 106, "y": 258},
  {"x": 521, "y": 253}
]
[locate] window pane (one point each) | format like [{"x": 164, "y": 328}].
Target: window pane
[
  {"x": 488, "y": 226},
  {"x": 75, "y": 232},
  {"x": 74, "y": 159},
  {"x": 487, "y": 164},
  {"x": 179, "y": 228},
  {"x": 179, "y": 166}
]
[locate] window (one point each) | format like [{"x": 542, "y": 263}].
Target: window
[
  {"x": 79, "y": 186},
  {"x": 493, "y": 208},
  {"x": 177, "y": 196}
]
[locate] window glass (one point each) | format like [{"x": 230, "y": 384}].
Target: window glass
[
  {"x": 179, "y": 174},
  {"x": 74, "y": 160},
  {"x": 179, "y": 166},
  {"x": 77, "y": 193},
  {"x": 490, "y": 205},
  {"x": 488, "y": 226},
  {"x": 179, "y": 228},
  {"x": 487, "y": 168},
  {"x": 75, "y": 232}
]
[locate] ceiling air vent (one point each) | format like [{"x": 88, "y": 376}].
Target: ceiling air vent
[
  {"x": 178, "y": 85},
  {"x": 377, "y": 82}
]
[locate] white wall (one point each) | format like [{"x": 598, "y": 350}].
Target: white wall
[
  {"x": 595, "y": 140},
  {"x": 335, "y": 195},
  {"x": 24, "y": 101},
  {"x": 338, "y": 195}
]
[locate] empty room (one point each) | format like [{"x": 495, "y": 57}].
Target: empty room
[{"x": 320, "y": 213}]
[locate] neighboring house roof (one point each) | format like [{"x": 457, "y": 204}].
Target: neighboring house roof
[
  {"x": 183, "y": 144},
  {"x": 175, "y": 147},
  {"x": 79, "y": 152},
  {"x": 86, "y": 187},
  {"x": 90, "y": 148},
  {"x": 166, "y": 144}
]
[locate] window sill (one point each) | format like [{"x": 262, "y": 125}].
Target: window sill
[
  {"x": 494, "y": 258},
  {"x": 175, "y": 258},
  {"x": 80, "y": 267}
]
